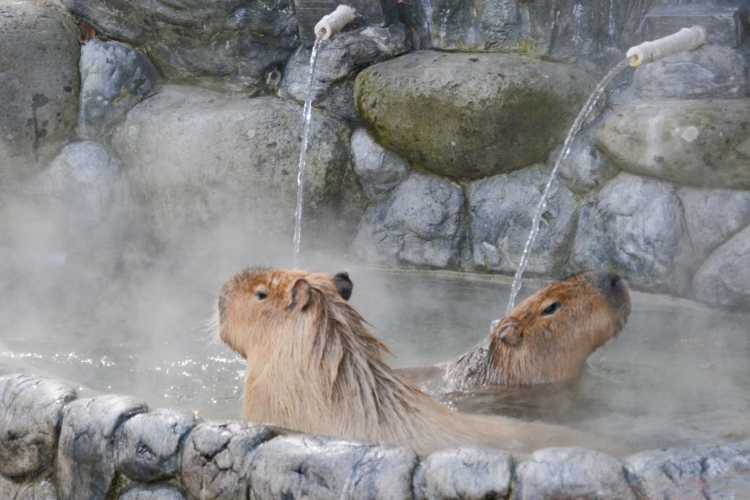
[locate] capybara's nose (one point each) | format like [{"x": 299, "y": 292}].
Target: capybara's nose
[{"x": 614, "y": 288}]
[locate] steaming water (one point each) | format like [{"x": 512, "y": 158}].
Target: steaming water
[
  {"x": 306, "y": 118},
  {"x": 677, "y": 375},
  {"x": 563, "y": 153}
]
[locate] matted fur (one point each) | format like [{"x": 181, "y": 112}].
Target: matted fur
[{"x": 313, "y": 366}]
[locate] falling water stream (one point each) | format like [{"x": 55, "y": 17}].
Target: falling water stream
[
  {"x": 306, "y": 116},
  {"x": 543, "y": 202}
]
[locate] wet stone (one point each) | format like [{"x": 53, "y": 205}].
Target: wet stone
[
  {"x": 378, "y": 169},
  {"x": 148, "y": 444},
  {"x": 317, "y": 467},
  {"x": 468, "y": 473},
  {"x": 139, "y": 491},
  {"x": 586, "y": 167},
  {"x": 34, "y": 490},
  {"x": 724, "y": 278},
  {"x": 86, "y": 454},
  {"x": 30, "y": 415},
  {"x": 571, "y": 474},
  {"x": 216, "y": 458}
]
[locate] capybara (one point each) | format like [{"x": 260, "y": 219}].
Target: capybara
[
  {"x": 313, "y": 366},
  {"x": 546, "y": 338}
]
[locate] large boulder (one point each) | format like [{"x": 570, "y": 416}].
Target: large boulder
[
  {"x": 199, "y": 157},
  {"x": 470, "y": 115},
  {"x": 703, "y": 143},
  {"x": 724, "y": 278},
  {"x": 39, "y": 86},
  {"x": 233, "y": 45}
]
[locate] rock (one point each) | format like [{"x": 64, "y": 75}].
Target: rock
[
  {"x": 378, "y": 169},
  {"x": 502, "y": 208},
  {"x": 418, "y": 223},
  {"x": 724, "y": 24},
  {"x": 469, "y": 473},
  {"x": 147, "y": 445},
  {"x": 86, "y": 455},
  {"x": 38, "y": 88},
  {"x": 152, "y": 492},
  {"x": 235, "y": 46},
  {"x": 34, "y": 490},
  {"x": 338, "y": 62},
  {"x": 702, "y": 143},
  {"x": 711, "y": 71},
  {"x": 470, "y": 115},
  {"x": 30, "y": 413},
  {"x": 633, "y": 226},
  {"x": 317, "y": 467},
  {"x": 724, "y": 278},
  {"x": 585, "y": 168},
  {"x": 216, "y": 458},
  {"x": 199, "y": 158},
  {"x": 571, "y": 474},
  {"x": 691, "y": 473},
  {"x": 114, "y": 78}
]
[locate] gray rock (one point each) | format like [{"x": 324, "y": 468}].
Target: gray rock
[
  {"x": 724, "y": 278},
  {"x": 152, "y": 492},
  {"x": 724, "y": 24},
  {"x": 34, "y": 490},
  {"x": 231, "y": 46},
  {"x": 317, "y": 467},
  {"x": 114, "y": 78},
  {"x": 585, "y": 168},
  {"x": 378, "y": 169},
  {"x": 469, "y": 473},
  {"x": 30, "y": 413},
  {"x": 719, "y": 472},
  {"x": 702, "y": 143},
  {"x": 571, "y": 474},
  {"x": 216, "y": 458},
  {"x": 147, "y": 445},
  {"x": 634, "y": 226},
  {"x": 38, "y": 88},
  {"x": 470, "y": 115},
  {"x": 86, "y": 454},
  {"x": 710, "y": 71},
  {"x": 502, "y": 209},
  {"x": 418, "y": 223},
  {"x": 338, "y": 62},
  {"x": 199, "y": 157}
]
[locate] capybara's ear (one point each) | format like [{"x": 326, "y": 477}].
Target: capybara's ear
[
  {"x": 510, "y": 333},
  {"x": 343, "y": 284},
  {"x": 300, "y": 294}
]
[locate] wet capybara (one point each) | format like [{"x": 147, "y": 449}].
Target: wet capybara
[
  {"x": 313, "y": 366},
  {"x": 546, "y": 338}
]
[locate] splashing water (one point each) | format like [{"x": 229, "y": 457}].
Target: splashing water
[
  {"x": 543, "y": 202},
  {"x": 306, "y": 115}
]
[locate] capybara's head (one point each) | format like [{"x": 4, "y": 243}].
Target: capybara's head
[{"x": 548, "y": 336}]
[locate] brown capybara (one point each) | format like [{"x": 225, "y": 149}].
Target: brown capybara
[
  {"x": 313, "y": 366},
  {"x": 546, "y": 338}
]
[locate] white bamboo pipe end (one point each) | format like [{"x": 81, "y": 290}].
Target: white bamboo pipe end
[
  {"x": 684, "y": 40},
  {"x": 334, "y": 22}
]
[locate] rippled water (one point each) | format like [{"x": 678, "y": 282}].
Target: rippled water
[{"x": 678, "y": 374}]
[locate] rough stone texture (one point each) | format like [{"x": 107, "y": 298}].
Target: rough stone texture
[
  {"x": 316, "y": 467},
  {"x": 710, "y": 71},
  {"x": 39, "y": 86},
  {"x": 691, "y": 473},
  {"x": 378, "y": 169},
  {"x": 724, "y": 278},
  {"x": 147, "y": 445},
  {"x": 216, "y": 458},
  {"x": 468, "y": 473},
  {"x": 724, "y": 24},
  {"x": 198, "y": 157},
  {"x": 86, "y": 454},
  {"x": 152, "y": 492},
  {"x": 418, "y": 223},
  {"x": 571, "y": 474},
  {"x": 585, "y": 168},
  {"x": 470, "y": 115},
  {"x": 34, "y": 490},
  {"x": 502, "y": 209},
  {"x": 703, "y": 143},
  {"x": 30, "y": 414},
  {"x": 235, "y": 45},
  {"x": 114, "y": 78},
  {"x": 338, "y": 62},
  {"x": 634, "y": 226}
]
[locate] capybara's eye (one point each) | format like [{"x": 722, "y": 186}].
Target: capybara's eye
[
  {"x": 260, "y": 295},
  {"x": 551, "y": 309}
]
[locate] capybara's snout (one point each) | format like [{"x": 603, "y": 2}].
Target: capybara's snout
[{"x": 614, "y": 288}]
